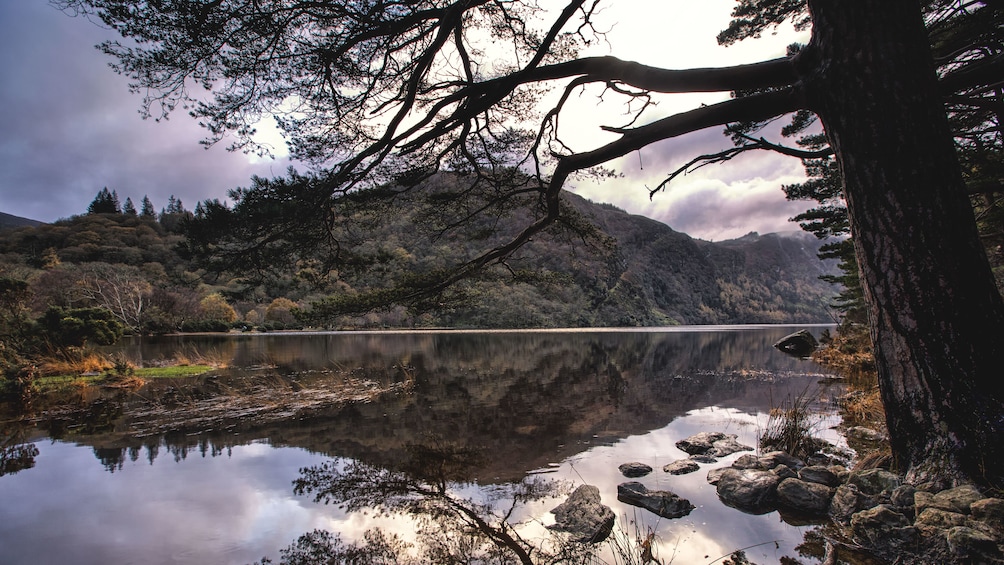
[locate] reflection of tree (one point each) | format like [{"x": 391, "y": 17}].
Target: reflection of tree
[
  {"x": 113, "y": 458},
  {"x": 15, "y": 454},
  {"x": 452, "y": 529}
]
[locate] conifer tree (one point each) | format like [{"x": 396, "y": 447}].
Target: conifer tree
[
  {"x": 104, "y": 203},
  {"x": 146, "y": 208}
]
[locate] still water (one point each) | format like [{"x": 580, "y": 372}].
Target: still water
[{"x": 201, "y": 470}]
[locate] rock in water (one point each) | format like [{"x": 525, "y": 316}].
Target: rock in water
[
  {"x": 583, "y": 515},
  {"x": 661, "y": 502},
  {"x": 635, "y": 469},
  {"x": 749, "y": 490},
  {"x": 799, "y": 344}
]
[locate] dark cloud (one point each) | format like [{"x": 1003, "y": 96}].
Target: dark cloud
[
  {"x": 715, "y": 202},
  {"x": 70, "y": 126}
]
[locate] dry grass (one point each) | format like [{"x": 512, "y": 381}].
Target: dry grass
[
  {"x": 863, "y": 408},
  {"x": 790, "y": 427},
  {"x": 74, "y": 362},
  {"x": 193, "y": 356}
]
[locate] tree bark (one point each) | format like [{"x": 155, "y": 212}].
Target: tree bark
[{"x": 937, "y": 319}]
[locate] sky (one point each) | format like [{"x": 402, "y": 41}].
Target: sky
[{"x": 69, "y": 127}]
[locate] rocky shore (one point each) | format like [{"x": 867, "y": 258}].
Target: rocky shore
[{"x": 866, "y": 515}]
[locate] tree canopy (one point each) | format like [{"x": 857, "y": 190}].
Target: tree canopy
[{"x": 380, "y": 94}]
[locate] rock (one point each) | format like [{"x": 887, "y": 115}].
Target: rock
[
  {"x": 875, "y": 481},
  {"x": 715, "y": 475},
  {"x": 903, "y": 495},
  {"x": 934, "y": 519},
  {"x": 635, "y": 469},
  {"x": 862, "y": 433},
  {"x": 990, "y": 512},
  {"x": 799, "y": 344},
  {"x": 661, "y": 502},
  {"x": 820, "y": 475},
  {"x": 967, "y": 543},
  {"x": 584, "y": 516},
  {"x": 748, "y": 461},
  {"x": 882, "y": 524},
  {"x": 727, "y": 446},
  {"x": 703, "y": 458},
  {"x": 804, "y": 497},
  {"x": 922, "y": 500},
  {"x": 775, "y": 458},
  {"x": 681, "y": 467},
  {"x": 750, "y": 490},
  {"x": 841, "y": 472},
  {"x": 784, "y": 472},
  {"x": 957, "y": 499},
  {"x": 701, "y": 443},
  {"x": 848, "y": 500}
]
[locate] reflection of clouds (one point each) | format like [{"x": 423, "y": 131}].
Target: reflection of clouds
[
  {"x": 240, "y": 508},
  {"x": 233, "y": 509},
  {"x": 710, "y": 530}
]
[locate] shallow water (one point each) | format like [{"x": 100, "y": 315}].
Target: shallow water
[{"x": 575, "y": 405}]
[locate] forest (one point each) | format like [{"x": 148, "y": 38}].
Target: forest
[{"x": 145, "y": 269}]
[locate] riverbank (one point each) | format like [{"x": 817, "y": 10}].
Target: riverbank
[{"x": 892, "y": 521}]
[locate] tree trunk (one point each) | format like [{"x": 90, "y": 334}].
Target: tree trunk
[{"x": 937, "y": 319}]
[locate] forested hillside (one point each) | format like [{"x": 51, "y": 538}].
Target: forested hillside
[
  {"x": 630, "y": 271},
  {"x": 10, "y": 221}
]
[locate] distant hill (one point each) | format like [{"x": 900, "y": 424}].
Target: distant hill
[
  {"x": 635, "y": 271},
  {"x": 10, "y": 221},
  {"x": 772, "y": 278}
]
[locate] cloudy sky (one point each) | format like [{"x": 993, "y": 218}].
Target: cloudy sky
[{"x": 69, "y": 127}]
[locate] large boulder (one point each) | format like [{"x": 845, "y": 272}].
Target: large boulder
[
  {"x": 875, "y": 481},
  {"x": 847, "y": 500},
  {"x": 804, "y": 497},
  {"x": 819, "y": 474},
  {"x": 661, "y": 502},
  {"x": 798, "y": 344},
  {"x": 701, "y": 443},
  {"x": 584, "y": 516},
  {"x": 749, "y": 490},
  {"x": 936, "y": 520},
  {"x": 990, "y": 513},
  {"x": 971, "y": 546},
  {"x": 883, "y": 525},
  {"x": 713, "y": 444},
  {"x": 956, "y": 499}
]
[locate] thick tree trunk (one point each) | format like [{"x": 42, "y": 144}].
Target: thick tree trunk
[{"x": 937, "y": 318}]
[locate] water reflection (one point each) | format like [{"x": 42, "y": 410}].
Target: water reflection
[
  {"x": 529, "y": 398},
  {"x": 577, "y": 404}
]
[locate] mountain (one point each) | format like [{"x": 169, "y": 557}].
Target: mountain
[
  {"x": 10, "y": 221},
  {"x": 624, "y": 271},
  {"x": 676, "y": 279}
]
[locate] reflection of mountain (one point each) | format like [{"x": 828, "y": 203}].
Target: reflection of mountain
[{"x": 527, "y": 399}]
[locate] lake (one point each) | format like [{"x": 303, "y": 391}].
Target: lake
[{"x": 201, "y": 470}]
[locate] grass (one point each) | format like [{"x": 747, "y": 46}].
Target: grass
[
  {"x": 173, "y": 371},
  {"x": 790, "y": 427},
  {"x": 136, "y": 377}
]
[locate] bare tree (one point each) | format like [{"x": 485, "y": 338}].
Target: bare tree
[
  {"x": 120, "y": 288},
  {"x": 381, "y": 91}
]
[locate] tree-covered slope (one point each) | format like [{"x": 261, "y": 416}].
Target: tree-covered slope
[{"x": 625, "y": 270}]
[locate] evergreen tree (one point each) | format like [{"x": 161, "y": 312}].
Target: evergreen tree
[
  {"x": 146, "y": 208},
  {"x": 105, "y": 203},
  {"x": 129, "y": 207}
]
